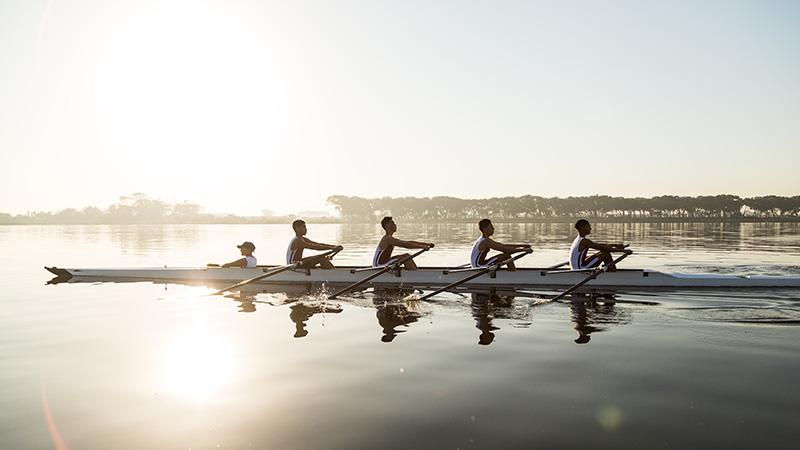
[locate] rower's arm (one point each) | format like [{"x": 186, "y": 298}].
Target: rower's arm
[
  {"x": 238, "y": 263},
  {"x": 410, "y": 244},
  {"x": 506, "y": 248},
  {"x": 602, "y": 247},
  {"x": 309, "y": 244}
]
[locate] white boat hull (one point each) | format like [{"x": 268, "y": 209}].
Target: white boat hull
[{"x": 434, "y": 277}]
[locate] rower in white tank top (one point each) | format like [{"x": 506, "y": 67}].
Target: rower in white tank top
[
  {"x": 378, "y": 256},
  {"x": 478, "y": 256},
  {"x": 291, "y": 252},
  {"x": 577, "y": 257}
]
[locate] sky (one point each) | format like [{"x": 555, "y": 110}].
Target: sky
[{"x": 249, "y": 105}]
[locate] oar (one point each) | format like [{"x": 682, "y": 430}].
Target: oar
[
  {"x": 476, "y": 275},
  {"x": 591, "y": 276},
  {"x": 377, "y": 274},
  {"x": 276, "y": 271}
]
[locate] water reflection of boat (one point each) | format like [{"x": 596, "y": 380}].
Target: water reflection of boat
[
  {"x": 481, "y": 307},
  {"x": 596, "y": 316},
  {"x": 488, "y": 305},
  {"x": 392, "y": 312},
  {"x": 589, "y": 314},
  {"x": 393, "y": 315},
  {"x": 302, "y": 311}
]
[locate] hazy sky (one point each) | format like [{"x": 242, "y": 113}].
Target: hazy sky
[{"x": 247, "y": 105}]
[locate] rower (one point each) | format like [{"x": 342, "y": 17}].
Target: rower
[
  {"x": 579, "y": 257},
  {"x": 383, "y": 254},
  {"x": 249, "y": 261},
  {"x": 480, "y": 249},
  {"x": 300, "y": 242}
]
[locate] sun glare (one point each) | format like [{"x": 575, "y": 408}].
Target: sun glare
[{"x": 197, "y": 364}]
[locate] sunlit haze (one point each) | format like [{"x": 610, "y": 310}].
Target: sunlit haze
[{"x": 246, "y": 105}]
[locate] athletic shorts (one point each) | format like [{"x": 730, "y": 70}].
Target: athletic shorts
[
  {"x": 391, "y": 261},
  {"x": 591, "y": 264},
  {"x": 493, "y": 260}
]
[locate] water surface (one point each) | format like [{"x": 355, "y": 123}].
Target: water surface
[{"x": 112, "y": 366}]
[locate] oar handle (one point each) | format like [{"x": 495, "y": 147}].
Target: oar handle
[{"x": 333, "y": 252}]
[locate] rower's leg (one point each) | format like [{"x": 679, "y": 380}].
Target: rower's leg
[
  {"x": 609, "y": 261},
  {"x": 312, "y": 262},
  {"x": 326, "y": 263},
  {"x": 510, "y": 265},
  {"x": 502, "y": 257},
  {"x": 408, "y": 264},
  {"x": 605, "y": 258}
]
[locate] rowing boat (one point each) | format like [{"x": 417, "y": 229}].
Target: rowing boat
[{"x": 523, "y": 278}]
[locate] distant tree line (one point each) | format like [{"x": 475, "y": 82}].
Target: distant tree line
[
  {"x": 138, "y": 208},
  {"x": 535, "y": 208}
]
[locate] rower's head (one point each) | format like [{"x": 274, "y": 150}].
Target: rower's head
[
  {"x": 583, "y": 339},
  {"x": 299, "y": 227},
  {"x": 247, "y": 248},
  {"x": 388, "y": 224},
  {"x": 583, "y": 226},
  {"x": 486, "y": 227}
]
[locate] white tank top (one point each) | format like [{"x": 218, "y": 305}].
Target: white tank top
[
  {"x": 377, "y": 256},
  {"x": 290, "y": 251},
  {"x": 251, "y": 262},
  {"x": 576, "y": 256},
  {"x": 475, "y": 257}
]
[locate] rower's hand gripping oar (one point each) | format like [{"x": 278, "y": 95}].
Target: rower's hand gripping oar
[
  {"x": 378, "y": 273},
  {"x": 276, "y": 271},
  {"x": 494, "y": 266},
  {"x": 591, "y": 277}
]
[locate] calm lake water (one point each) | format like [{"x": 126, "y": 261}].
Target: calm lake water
[{"x": 114, "y": 366}]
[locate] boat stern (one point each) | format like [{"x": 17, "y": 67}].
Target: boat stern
[{"x": 62, "y": 275}]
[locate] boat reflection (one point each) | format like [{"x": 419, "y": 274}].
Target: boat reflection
[
  {"x": 304, "y": 302},
  {"x": 392, "y": 311},
  {"x": 396, "y": 310},
  {"x": 596, "y": 314},
  {"x": 588, "y": 314},
  {"x": 301, "y": 312},
  {"x": 485, "y": 307}
]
